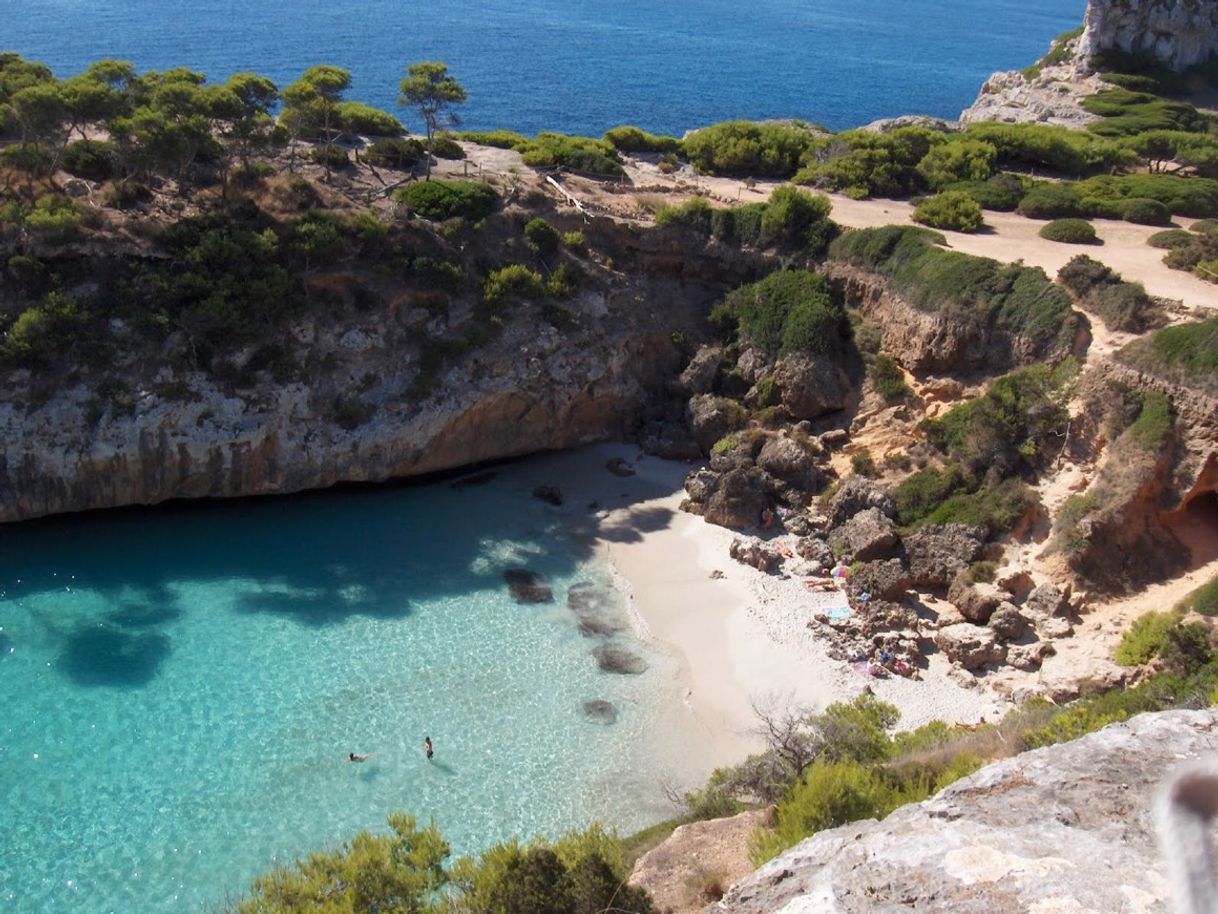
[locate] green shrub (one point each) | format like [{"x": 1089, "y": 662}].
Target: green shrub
[
  {"x": 1001, "y": 193},
  {"x": 959, "y": 159},
  {"x": 1069, "y": 231},
  {"x": 921, "y": 494},
  {"x": 440, "y": 200},
  {"x": 95, "y": 160},
  {"x": 863, "y": 464},
  {"x": 1084, "y": 276},
  {"x": 798, "y": 219},
  {"x": 1185, "y": 354},
  {"x": 577, "y": 153},
  {"x": 45, "y": 332},
  {"x": 54, "y": 218},
  {"x": 748, "y": 149},
  {"x": 788, "y": 311},
  {"x": 445, "y": 147},
  {"x": 575, "y": 241},
  {"x": 1203, "y": 600},
  {"x": 542, "y": 237},
  {"x": 394, "y": 152},
  {"x": 1058, "y": 149},
  {"x": 1052, "y": 201},
  {"x": 1146, "y": 212},
  {"x": 861, "y": 163},
  {"x": 1170, "y": 240},
  {"x": 982, "y": 572},
  {"x": 829, "y": 794},
  {"x": 512, "y": 281},
  {"x": 330, "y": 156},
  {"x": 563, "y": 282},
  {"x": 1183, "y": 196},
  {"x": 695, "y": 212},
  {"x": 634, "y": 139},
  {"x": 1145, "y": 638},
  {"x": 887, "y": 379},
  {"x": 356, "y": 117},
  {"x": 500, "y": 139},
  {"x": 30, "y": 157},
  {"x": 1154, "y": 422},
  {"x": 952, "y": 209},
  {"x": 1124, "y": 112}
]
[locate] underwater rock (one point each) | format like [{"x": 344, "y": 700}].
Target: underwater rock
[
  {"x": 527, "y": 586},
  {"x": 601, "y": 711},
  {"x": 614, "y": 659}
]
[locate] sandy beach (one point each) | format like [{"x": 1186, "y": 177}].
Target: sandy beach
[{"x": 739, "y": 637}]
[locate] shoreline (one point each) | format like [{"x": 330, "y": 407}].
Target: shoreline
[{"x": 740, "y": 638}]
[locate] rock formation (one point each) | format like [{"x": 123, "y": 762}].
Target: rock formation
[
  {"x": 1066, "y": 828},
  {"x": 1178, "y": 34}
]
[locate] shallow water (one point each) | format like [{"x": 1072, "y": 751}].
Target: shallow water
[
  {"x": 581, "y": 67},
  {"x": 182, "y": 688}
]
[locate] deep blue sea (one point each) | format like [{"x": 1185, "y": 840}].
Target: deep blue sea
[{"x": 580, "y": 66}]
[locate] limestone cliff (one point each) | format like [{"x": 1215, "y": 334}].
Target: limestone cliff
[
  {"x": 1067, "y": 828},
  {"x": 1177, "y": 33}
]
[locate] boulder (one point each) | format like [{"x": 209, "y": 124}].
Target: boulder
[
  {"x": 938, "y": 552},
  {"x": 1008, "y": 622},
  {"x": 857, "y": 493},
  {"x": 976, "y": 602},
  {"x": 613, "y": 658},
  {"x": 971, "y": 646},
  {"x": 619, "y": 467},
  {"x": 711, "y": 417},
  {"x": 815, "y": 549},
  {"x": 788, "y": 460},
  {"x": 1029, "y": 657},
  {"x": 1015, "y": 581},
  {"x": 527, "y": 586},
  {"x": 1062, "y": 829},
  {"x": 1054, "y": 627},
  {"x": 866, "y": 536},
  {"x": 811, "y": 386},
  {"x": 551, "y": 495},
  {"x": 699, "y": 375},
  {"x": 880, "y": 580},
  {"x": 737, "y": 500},
  {"x": 755, "y": 553},
  {"x": 752, "y": 364},
  {"x": 601, "y": 711},
  {"x": 1047, "y": 600}
]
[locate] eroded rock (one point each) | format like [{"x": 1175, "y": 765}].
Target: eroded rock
[
  {"x": 856, "y": 494},
  {"x": 971, "y": 646},
  {"x": 866, "y": 536},
  {"x": 938, "y": 552},
  {"x": 811, "y": 386}
]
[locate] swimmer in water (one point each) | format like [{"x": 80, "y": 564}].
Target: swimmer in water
[
  {"x": 427, "y": 749},
  {"x": 352, "y": 757}
]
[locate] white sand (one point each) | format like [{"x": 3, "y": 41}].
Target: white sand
[{"x": 739, "y": 641}]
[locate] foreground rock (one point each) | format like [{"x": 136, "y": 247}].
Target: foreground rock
[{"x": 1062, "y": 829}]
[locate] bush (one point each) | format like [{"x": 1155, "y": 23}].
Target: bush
[
  {"x": 1052, "y": 201},
  {"x": 887, "y": 379},
  {"x": 445, "y": 147},
  {"x": 330, "y": 156},
  {"x": 54, "y": 219},
  {"x": 1146, "y": 212},
  {"x": 95, "y": 160},
  {"x": 1154, "y": 422},
  {"x": 958, "y": 159},
  {"x": 862, "y": 163},
  {"x": 1069, "y": 231},
  {"x": 1001, "y": 193},
  {"x": 542, "y": 237},
  {"x": 575, "y": 241},
  {"x": 1203, "y": 600},
  {"x": 1083, "y": 276},
  {"x": 1124, "y": 112},
  {"x": 356, "y": 117},
  {"x": 45, "y": 332},
  {"x": 1183, "y": 196},
  {"x": 500, "y": 139},
  {"x": 1145, "y": 638},
  {"x": 951, "y": 209},
  {"x": 440, "y": 200},
  {"x": 1058, "y": 149},
  {"x": 394, "y": 152},
  {"x": 634, "y": 139},
  {"x": 788, "y": 311},
  {"x": 512, "y": 281},
  {"x": 577, "y": 153},
  {"x": 798, "y": 219},
  {"x": 696, "y": 213},
  {"x": 1186, "y": 354},
  {"x": 748, "y": 149},
  {"x": 1170, "y": 240}
]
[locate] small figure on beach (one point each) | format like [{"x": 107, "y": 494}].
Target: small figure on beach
[
  {"x": 354, "y": 757},
  {"x": 767, "y": 519},
  {"x": 427, "y": 748}
]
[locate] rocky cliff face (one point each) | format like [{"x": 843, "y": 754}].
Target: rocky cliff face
[
  {"x": 1177, "y": 33},
  {"x": 359, "y": 414},
  {"x": 1067, "y": 828}
]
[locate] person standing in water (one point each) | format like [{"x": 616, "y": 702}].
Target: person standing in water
[{"x": 427, "y": 749}]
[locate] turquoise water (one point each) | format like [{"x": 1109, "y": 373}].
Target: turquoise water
[
  {"x": 584, "y": 66},
  {"x": 182, "y": 687}
]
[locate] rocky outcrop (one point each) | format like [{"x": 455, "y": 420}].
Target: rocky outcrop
[
  {"x": 1067, "y": 828},
  {"x": 1177, "y": 34},
  {"x": 811, "y": 386},
  {"x": 971, "y": 646},
  {"x": 949, "y": 341},
  {"x": 866, "y": 536},
  {"x": 854, "y": 495},
  {"x": 939, "y": 552}
]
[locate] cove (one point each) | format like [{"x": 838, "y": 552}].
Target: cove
[{"x": 183, "y": 685}]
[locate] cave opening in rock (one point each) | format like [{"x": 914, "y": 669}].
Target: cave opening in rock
[{"x": 1196, "y": 526}]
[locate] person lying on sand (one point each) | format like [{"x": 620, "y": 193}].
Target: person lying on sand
[{"x": 820, "y": 584}]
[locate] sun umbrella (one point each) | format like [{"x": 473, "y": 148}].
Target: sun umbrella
[{"x": 840, "y": 571}]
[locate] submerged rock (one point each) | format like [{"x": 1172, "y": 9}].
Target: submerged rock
[
  {"x": 590, "y": 607},
  {"x": 527, "y": 586},
  {"x": 601, "y": 711},
  {"x": 469, "y": 482},
  {"x": 615, "y": 659},
  {"x": 551, "y": 495}
]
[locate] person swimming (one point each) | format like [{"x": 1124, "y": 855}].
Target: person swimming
[
  {"x": 427, "y": 748},
  {"x": 352, "y": 757}
]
